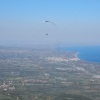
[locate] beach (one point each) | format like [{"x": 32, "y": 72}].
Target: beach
[{"x": 76, "y": 55}]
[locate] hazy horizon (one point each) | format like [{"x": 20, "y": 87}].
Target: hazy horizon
[{"x": 76, "y": 22}]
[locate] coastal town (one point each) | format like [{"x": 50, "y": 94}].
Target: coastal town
[{"x": 39, "y": 71}]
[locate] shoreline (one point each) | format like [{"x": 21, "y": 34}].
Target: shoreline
[{"x": 76, "y": 55}]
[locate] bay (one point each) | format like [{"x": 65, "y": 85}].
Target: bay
[{"x": 86, "y": 53}]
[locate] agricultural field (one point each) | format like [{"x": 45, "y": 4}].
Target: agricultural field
[{"x": 43, "y": 74}]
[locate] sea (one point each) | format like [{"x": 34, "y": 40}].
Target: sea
[{"x": 85, "y": 53}]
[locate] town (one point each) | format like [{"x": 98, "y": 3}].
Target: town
[{"x": 35, "y": 73}]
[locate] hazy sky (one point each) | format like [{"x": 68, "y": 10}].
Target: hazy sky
[{"x": 77, "y": 21}]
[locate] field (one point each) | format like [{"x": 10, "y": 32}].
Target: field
[{"x": 47, "y": 74}]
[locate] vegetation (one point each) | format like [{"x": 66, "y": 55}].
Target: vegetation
[{"x": 34, "y": 74}]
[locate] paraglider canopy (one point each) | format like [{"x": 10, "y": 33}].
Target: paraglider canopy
[{"x": 47, "y": 21}]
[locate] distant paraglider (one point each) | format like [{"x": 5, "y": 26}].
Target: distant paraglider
[
  {"x": 47, "y": 21},
  {"x": 46, "y": 33}
]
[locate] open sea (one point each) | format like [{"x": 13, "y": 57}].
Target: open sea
[{"x": 86, "y": 53}]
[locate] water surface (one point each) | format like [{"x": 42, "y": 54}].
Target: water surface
[{"x": 86, "y": 53}]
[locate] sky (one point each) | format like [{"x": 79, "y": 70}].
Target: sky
[{"x": 77, "y": 22}]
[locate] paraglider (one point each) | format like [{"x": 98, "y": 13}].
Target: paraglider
[
  {"x": 47, "y": 21},
  {"x": 46, "y": 33}
]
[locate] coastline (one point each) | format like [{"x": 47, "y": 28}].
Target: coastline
[
  {"x": 76, "y": 55},
  {"x": 87, "y": 53}
]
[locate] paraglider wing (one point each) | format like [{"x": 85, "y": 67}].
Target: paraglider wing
[
  {"x": 42, "y": 22},
  {"x": 47, "y": 21},
  {"x": 51, "y": 22}
]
